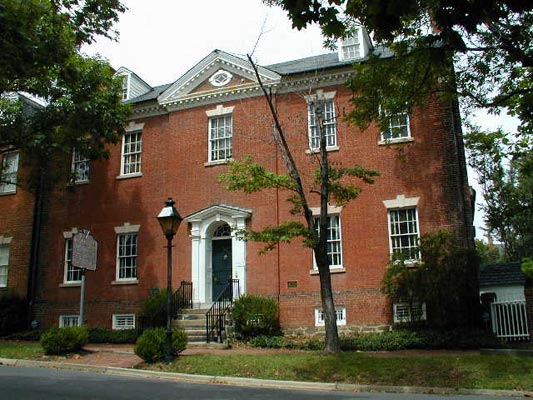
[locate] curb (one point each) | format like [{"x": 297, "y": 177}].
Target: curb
[{"x": 259, "y": 383}]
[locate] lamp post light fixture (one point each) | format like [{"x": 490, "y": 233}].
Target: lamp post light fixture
[{"x": 170, "y": 220}]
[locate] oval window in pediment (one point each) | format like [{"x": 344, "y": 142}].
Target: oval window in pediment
[{"x": 220, "y": 78}]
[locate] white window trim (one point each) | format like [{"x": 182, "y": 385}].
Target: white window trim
[
  {"x": 5, "y": 239},
  {"x": 3, "y": 185},
  {"x": 63, "y": 317},
  {"x": 408, "y": 138},
  {"x": 320, "y": 95},
  {"x": 6, "y": 266},
  {"x": 409, "y": 318},
  {"x": 118, "y": 279},
  {"x": 74, "y": 170},
  {"x": 217, "y": 113},
  {"x": 126, "y": 228},
  {"x": 130, "y": 174},
  {"x": 319, "y": 320},
  {"x": 115, "y": 324},
  {"x": 400, "y": 203},
  {"x": 66, "y": 281},
  {"x": 227, "y": 78},
  {"x": 126, "y": 78},
  {"x": 332, "y": 211}
]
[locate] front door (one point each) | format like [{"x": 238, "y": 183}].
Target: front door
[{"x": 221, "y": 265}]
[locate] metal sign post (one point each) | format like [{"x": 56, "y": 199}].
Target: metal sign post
[{"x": 84, "y": 256}]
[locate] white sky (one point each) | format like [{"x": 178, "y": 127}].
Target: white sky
[{"x": 160, "y": 40}]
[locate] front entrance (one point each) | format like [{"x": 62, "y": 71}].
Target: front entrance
[{"x": 221, "y": 265}]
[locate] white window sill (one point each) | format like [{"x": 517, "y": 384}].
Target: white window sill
[
  {"x": 316, "y": 151},
  {"x": 6, "y": 193},
  {"x": 387, "y": 142},
  {"x": 81, "y": 182},
  {"x": 70, "y": 284},
  {"x": 128, "y": 176},
  {"x": 218, "y": 162},
  {"x": 336, "y": 270},
  {"x": 126, "y": 282}
]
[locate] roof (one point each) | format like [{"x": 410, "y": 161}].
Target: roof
[
  {"x": 501, "y": 274},
  {"x": 322, "y": 61},
  {"x": 151, "y": 95}
]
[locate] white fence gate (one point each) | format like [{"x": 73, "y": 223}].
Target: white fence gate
[{"x": 509, "y": 319}]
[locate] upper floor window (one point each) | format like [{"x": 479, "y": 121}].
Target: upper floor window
[
  {"x": 4, "y": 264},
  {"x": 80, "y": 167},
  {"x": 127, "y": 256},
  {"x": 72, "y": 274},
  {"x": 350, "y": 47},
  {"x": 125, "y": 87},
  {"x": 220, "y": 138},
  {"x": 334, "y": 240},
  {"x": 404, "y": 234},
  {"x": 322, "y": 112},
  {"x": 131, "y": 153},
  {"x": 398, "y": 128},
  {"x": 9, "y": 170}
]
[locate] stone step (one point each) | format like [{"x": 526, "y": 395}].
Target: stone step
[
  {"x": 190, "y": 323},
  {"x": 208, "y": 346}
]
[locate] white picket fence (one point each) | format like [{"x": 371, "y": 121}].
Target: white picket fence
[{"x": 509, "y": 320}]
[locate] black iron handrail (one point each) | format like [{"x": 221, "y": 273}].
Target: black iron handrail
[
  {"x": 182, "y": 298},
  {"x": 216, "y": 316}
]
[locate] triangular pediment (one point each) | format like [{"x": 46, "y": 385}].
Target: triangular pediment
[
  {"x": 218, "y": 73},
  {"x": 219, "y": 209}
]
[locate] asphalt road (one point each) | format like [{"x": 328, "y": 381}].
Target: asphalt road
[{"x": 43, "y": 383}]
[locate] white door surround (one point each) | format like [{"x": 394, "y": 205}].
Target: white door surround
[{"x": 203, "y": 224}]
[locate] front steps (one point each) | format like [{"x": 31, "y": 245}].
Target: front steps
[{"x": 193, "y": 322}]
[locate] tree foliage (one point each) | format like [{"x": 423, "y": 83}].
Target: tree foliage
[
  {"x": 53, "y": 98},
  {"x": 445, "y": 281},
  {"x": 487, "y": 42},
  {"x": 504, "y": 166}
]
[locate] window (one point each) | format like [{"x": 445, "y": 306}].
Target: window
[
  {"x": 72, "y": 274},
  {"x": 220, "y": 138},
  {"x": 220, "y": 78},
  {"x": 398, "y": 128},
  {"x": 405, "y": 313},
  {"x": 131, "y": 153},
  {"x": 123, "y": 321},
  {"x": 334, "y": 240},
  {"x": 8, "y": 177},
  {"x": 127, "y": 256},
  {"x": 4, "y": 264},
  {"x": 327, "y": 108},
  {"x": 125, "y": 87},
  {"x": 350, "y": 47},
  {"x": 80, "y": 167},
  {"x": 69, "y": 320},
  {"x": 403, "y": 231},
  {"x": 339, "y": 311}
]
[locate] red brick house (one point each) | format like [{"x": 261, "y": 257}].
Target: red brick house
[{"x": 179, "y": 140}]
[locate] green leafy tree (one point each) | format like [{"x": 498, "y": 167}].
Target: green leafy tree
[
  {"x": 478, "y": 50},
  {"x": 504, "y": 166},
  {"x": 488, "y": 253},
  {"x": 330, "y": 184}
]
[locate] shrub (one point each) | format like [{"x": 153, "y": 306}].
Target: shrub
[
  {"x": 151, "y": 345},
  {"x": 103, "y": 335},
  {"x": 13, "y": 312},
  {"x": 154, "y": 310},
  {"x": 255, "y": 316},
  {"x": 268, "y": 342},
  {"x": 64, "y": 340}
]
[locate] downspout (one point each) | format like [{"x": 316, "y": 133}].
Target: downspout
[{"x": 35, "y": 245}]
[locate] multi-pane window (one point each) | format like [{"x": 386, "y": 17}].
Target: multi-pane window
[
  {"x": 405, "y": 312},
  {"x": 404, "y": 237},
  {"x": 127, "y": 256},
  {"x": 69, "y": 320},
  {"x": 125, "y": 87},
  {"x": 329, "y": 124},
  {"x": 8, "y": 177},
  {"x": 131, "y": 153},
  {"x": 398, "y": 128},
  {"x": 80, "y": 167},
  {"x": 220, "y": 138},
  {"x": 4, "y": 264},
  {"x": 340, "y": 313},
  {"x": 72, "y": 274},
  {"x": 350, "y": 47},
  {"x": 123, "y": 321},
  {"x": 334, "y": 240}
]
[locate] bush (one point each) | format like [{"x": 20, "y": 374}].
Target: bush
[
  {"x": 268, "y": 342},
  {"x": 103, "y": 335},
  {"x": 151, "y": 345},
  {"x": 154, "y": 310},
  {"x": 64, "y": 340},
  {"x": 255, "y": 316},
  {"x": 13, "y": 312}
]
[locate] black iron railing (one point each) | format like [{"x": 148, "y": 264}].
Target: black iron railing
[
  {"x": 216, "y": 316},
  {"x": 182, "y": 298}
]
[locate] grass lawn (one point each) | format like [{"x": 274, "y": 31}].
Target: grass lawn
[
  {"x": 20, "y": 350},
  {"x": 468, "y": 371}
]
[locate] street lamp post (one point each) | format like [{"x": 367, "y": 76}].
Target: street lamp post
[{"x": 170, "y": 220}]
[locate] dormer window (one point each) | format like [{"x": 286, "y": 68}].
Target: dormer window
[
  {"x": 220, "y": 78},
  {"x": 125, "y": 87},
  {"x": 353, "y": 47}
]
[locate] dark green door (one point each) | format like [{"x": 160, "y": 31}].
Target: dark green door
[{"x": 221, "y": 265}]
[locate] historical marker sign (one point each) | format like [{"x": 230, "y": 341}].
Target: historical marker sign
[{"x": 84, "y": 250}]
